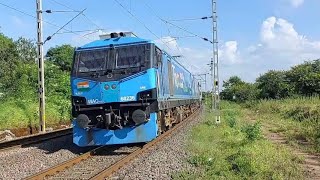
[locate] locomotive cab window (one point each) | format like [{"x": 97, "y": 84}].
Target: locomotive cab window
[
  {"x": 92, "y": 61},
  {"x": 131, "y": 59}
]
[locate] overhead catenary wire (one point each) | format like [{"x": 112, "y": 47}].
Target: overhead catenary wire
[
  {"x": 179, "y": 27},
  {"x": 60, "y": 11},
  {"x": 47, "y": 22},
  {"x": 80, "y": 31},
  {"x": 192, "y": 19},
  {"x": 137, "y": 19},
  {"x": 83, "y": 14},
  {"x": 169, "y": 32},
  {"x": 49, "y": 37}
]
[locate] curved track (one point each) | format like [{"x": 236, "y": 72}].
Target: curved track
[
  {"x": 33, "y": 139},
  {"x": 118, "y": 157}
]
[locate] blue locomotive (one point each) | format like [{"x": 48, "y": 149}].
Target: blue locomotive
[{"x": 127, "y": 90}]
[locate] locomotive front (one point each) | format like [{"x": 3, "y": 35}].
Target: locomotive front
[{"x": 113, "y": 85}]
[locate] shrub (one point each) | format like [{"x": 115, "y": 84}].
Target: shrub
[{"x": 252, "y": 132}]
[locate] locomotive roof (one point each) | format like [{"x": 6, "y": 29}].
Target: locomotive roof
[{"x": 114, "y": 41}]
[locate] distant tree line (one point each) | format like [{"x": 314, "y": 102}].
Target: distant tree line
[{"x": 301, "y": 80}]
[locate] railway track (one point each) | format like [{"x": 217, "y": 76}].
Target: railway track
[
  {"x": 33, "y": 139},
  {"x": 121, "y": 159}
]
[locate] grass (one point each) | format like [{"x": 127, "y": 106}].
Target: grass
[
  {"x": 16, "y": 113},
  {"x": 235, "y": 149},
  {"x": 298, "y": 119}
]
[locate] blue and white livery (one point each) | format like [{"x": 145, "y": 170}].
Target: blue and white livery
[{"x": 127, "y": 90}]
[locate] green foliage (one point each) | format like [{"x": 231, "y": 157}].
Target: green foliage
[
  {"x": 61, "y": 56},
  {"x": 274, "y": 85},
  {"x": 8, "y": 61},
  {"x": 239, "y": 91},
  {"x": 305, "y": 78},
  {"x": 26, "y": 49},
  {"x": 297, "y": 118},
  {"x": 19, "y": 84},
  {"x": 230, "y": 152},
  {"x": 252, "y": 132}
]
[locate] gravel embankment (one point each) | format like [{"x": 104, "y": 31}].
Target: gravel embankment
[
  {"x": 92, "y": 166},
  {"x": 160, "y": 162},
  {"x": 168, "y": 157},
  {"x": 22, "y": 162}
]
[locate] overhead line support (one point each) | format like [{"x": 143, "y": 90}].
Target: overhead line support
[
  {"x": 40, "y": 58},
  {"x": 215, "y": 64}
]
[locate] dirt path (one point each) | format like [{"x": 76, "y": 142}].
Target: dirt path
[{"x": 311, "y": 162}]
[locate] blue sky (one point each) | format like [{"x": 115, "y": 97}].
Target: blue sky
[{"x": 254, "y": 35}]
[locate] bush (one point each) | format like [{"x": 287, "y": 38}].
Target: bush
[{"x": 252, "y": 132}]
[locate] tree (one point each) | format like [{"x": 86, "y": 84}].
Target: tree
[
  {"x": 305, "y": 78},
  {"x": 61, "y": 56},
  {"x": 237, "y": 90},
  {"x": 233, "y": 80},
  {"x": 274, "y": 85},
  {"x": 26, "y": 49},
  {"x": 8, "y": 63}
]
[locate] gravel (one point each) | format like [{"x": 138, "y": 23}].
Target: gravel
[
  {"x": 92, "y": 166},
  {"x": 163, "y": 160},
  {"x": 160, "y": 162},
  {"x": 22, "y": 162}
]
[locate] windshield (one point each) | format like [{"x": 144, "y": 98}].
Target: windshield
[
  {"x": 137, "y": 56},
  {"x": 92, "y": 61},
  {"x": 132, "y": 56}
]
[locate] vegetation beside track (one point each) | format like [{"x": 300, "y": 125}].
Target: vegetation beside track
[
  {"x": 18, "y": 84},
  {"x": 236, "y": 149},
  {"x": 298, "y": 119}
]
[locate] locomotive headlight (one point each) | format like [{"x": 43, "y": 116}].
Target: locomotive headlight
[
  {"x": 106, "y": 87},
  {"x": 113, "y": 86}
]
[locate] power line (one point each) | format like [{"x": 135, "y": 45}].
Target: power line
[
  {"x": 80, "y": 31},
  {"x": 10, "y": 7},
  {"x": 49, "y": 37},
  {"x": 172, "y": 24},
  {"x": 30, "y": 15},
  {"x": 161, "y": 19},
  {"x": 84, "y": 15},
  {"x": 60, "y": 11},
  {"x": 137, "y": 19},
  {"x": 192, "y": 19},
  {"x": 184, "y": 29}
]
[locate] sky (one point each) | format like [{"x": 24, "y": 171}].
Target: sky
[{"x": 254, "y": 35}]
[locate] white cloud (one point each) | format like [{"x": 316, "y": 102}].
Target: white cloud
[
  {"x": 296, "y": 3},
  {"x": 280, "y": 40},
  {"x": 229, "y": 53},
  {"x": 293, "y": 3}
]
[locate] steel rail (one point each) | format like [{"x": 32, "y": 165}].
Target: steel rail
[
  {"x": 60, "y": 167},
  {"x": 115, "y": 167},
  {"x": 33, "y": 139}
]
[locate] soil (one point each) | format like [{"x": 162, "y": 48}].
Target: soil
[
  {"x": 19, "y": 132},
  {"x": 311, "y": 162}
]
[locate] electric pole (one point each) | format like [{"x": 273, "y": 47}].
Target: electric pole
[
  {"x": 41, "y": 90},
  {"x": 215, "y": 63},
  {"x": 203, "y": 79}
]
